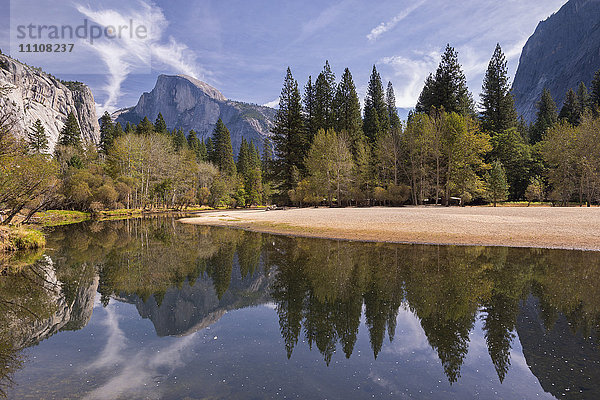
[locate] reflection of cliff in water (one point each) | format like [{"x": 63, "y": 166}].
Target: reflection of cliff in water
[
  {"x": 566, "y": 362},
  {"x": 34, "y": 305},
  {"x": 193, "y": 307}
]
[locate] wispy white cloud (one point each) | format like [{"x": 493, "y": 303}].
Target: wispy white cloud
[
  {"x": 386, "y": 26},
  {"x": 137, "y": 53},
  {"x": 321, "y": 21},
  {"x": 409, "y": 75}
]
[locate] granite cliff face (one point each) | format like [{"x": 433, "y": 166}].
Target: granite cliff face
[
  {"x": 188, "y": 103},
  {"x": 563, "y": 51},
  {"x": 33, "y": 94}
]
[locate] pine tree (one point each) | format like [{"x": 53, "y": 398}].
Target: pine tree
[
  {"x": 447, "y": 88},
  {"x": 197, "y": 146},
  {"x": 289, "y": 137},
  {"x": 583, "y": 99},
  {"x": 202, "y": 152},
  {"x": 569, "y": 110},
  {"x": 427, "y": 96},
  {"x": 106, "y": 132},
  {"x": 390, "y": 100},
  {"x": 37, "y": 138},
  {"x": 267, "y": 158},
  {"x": 595, "y": 92},
  {"x": 547, "y": 116},
  {"x": 145, "y": 127},
  {"x": 70, "y": 135},
  {"x": 496, "y": 184},
  {"x": 117, "y": 131},
  {"x": 309, "y": 104},
  {"x": 243, "y": 164},
  {"x": 222, "y": 149},
  {"x": 324, "y": 96},
  {"x": 179, "y": 140},
  {"x": 160, "y": 126},
  {"x": 347, "y": 110},
  {"x": 210, "y": 150},
  {"x": 129, "y": 128},
  {"x": 497, "y": 102},
  {"x": 377, "y": 118}
]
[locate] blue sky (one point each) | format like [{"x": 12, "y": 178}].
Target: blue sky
[{"x": 243, "y": 47}]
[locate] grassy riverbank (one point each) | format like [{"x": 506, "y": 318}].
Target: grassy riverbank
[{"x": 13, "y": 239}]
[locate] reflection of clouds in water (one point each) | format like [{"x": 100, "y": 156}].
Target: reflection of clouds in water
[
  {"x": 410, "y": 337},
  {"x": 112, "y": 354},
  {"x": 137, "y": 370}
]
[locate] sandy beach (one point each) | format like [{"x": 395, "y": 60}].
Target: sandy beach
[{"x": 546, "y": 227}]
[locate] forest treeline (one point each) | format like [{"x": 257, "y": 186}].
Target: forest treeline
[{"x": 325, "y": 149}]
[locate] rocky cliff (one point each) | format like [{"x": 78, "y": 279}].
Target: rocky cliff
[
  {"x": 188, "y": 103},
  {"x": 563, "y": 51},
  {"x": 33, "y": 94}
]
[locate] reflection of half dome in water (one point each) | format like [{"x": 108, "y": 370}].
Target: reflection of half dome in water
[
  {"x": 195, "y": 307},
  {"x": 566, "y": 364}
]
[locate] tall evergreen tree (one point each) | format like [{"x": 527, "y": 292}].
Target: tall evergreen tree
[
  {"x": 289, "y": 137},
  {"x": 267, "y": 158},
  {"x": 547, "y": 116},
  {"x": 324, "y": 96},
  {"x": 569, "y": 111},
  {"x": 37, "y": 138},
  {"x": 583, "y": 99},
  {"x": 160, "y": 126},
  {"x": 129, "y": 128},
  {"x": 595, "y": 92},
  {"x": 107, "y": 130},
  {"x": 117, "y": 131},
  {"x": 497, "y": 102},
  {"x": 427, "y": 97},
  {"x": 447, "y": 88},
  {"x": 70, "y": 135},
  {"x": 210, "y": 150},
  {"x": 376, "y": 119},
  {"x": 390, "y": 100},
  {"x": 197, "y": 146},
  {"x": 309, "y": 105},
  {"x": 347, "y": 110},
  {"x": 179, "y": 140},
  {"x": 145, "y": 127},
  {"x": 243, "y": 164},
  {"x": 222, "y": 149}
]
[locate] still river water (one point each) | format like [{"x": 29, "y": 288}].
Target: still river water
[{"x": 154, "y": 309}]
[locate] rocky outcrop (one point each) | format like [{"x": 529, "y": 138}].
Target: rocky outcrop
[
  {"x": 190, "y": 104},
  {"x": 31, "y": 94},
  {"x": 563, "y": 51}
]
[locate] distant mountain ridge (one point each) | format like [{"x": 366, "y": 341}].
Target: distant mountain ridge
[
  {"x": 190, "y": 104},
  {"x": 563, "y": 51}
]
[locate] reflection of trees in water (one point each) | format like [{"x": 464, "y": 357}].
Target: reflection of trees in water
[{"x": 321, "y": 286}]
